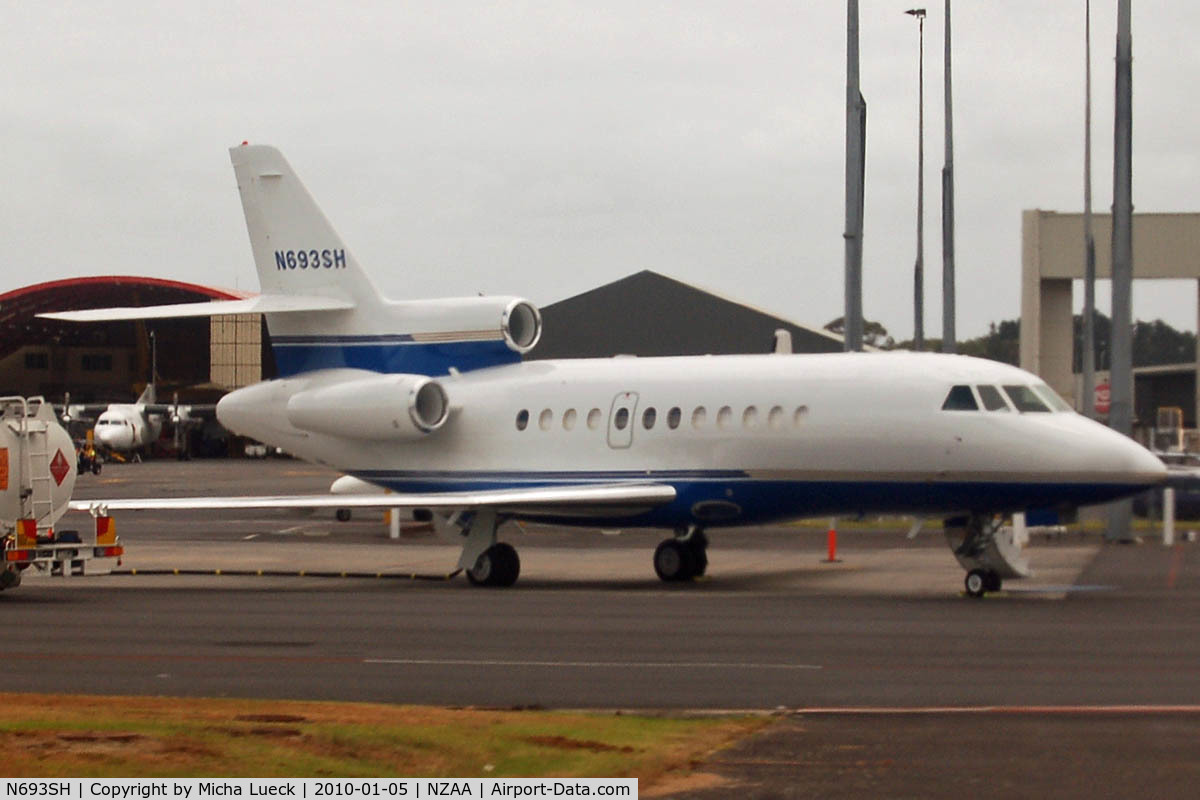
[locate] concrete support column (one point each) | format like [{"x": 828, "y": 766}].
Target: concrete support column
[{"x": 1047, "y": 336}]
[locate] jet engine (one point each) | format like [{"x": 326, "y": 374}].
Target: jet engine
[{"x": 379, "y": 407}]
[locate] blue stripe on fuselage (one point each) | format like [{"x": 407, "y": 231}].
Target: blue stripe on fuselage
[
  {"x": 387, "y": 354},
  {"x": 768, "y": 501}
]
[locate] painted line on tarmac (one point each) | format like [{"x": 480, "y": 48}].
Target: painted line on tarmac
[
  {"x": 463, "y": 662},
  {"x": 280, "y": 573},
  {"x": 996, "y": 710}
]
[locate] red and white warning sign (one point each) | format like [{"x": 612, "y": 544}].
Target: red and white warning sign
[
  {"x": 1103, "y": 397},
  {"x": 59, "y": 467}
]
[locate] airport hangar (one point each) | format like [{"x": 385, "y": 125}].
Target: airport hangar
[{"x": 644, "y": 314}]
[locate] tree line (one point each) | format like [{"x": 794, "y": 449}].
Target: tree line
[{"x": 1154, "y": 343}]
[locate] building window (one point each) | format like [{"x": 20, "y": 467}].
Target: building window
[
  {"x": 37, "y": 361},
  {"x": 97, "y": 362}
]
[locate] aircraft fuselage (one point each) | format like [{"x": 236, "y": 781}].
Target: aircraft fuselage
[{"x": 743, "y": 439}]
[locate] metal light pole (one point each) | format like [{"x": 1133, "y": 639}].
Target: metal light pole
[
  {"x": 1087, "y": 401},
  {"x": 948, "y": 334},
  {"x": 919, "y": 269},
  {"x": 1120, "y": 415},
  {"x": 856, "y": 131}
]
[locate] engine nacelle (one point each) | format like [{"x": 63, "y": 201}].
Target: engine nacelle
[
  {"x": 382, "y": 407},
  {"x": 515, "y": 321}
]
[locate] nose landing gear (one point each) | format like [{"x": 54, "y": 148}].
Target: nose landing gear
[{"x": 988, "y": 553}]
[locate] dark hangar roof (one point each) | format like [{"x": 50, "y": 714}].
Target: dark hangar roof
[
  {"x": 19, "y": 325},
  {"x": 648, "y": 314}
]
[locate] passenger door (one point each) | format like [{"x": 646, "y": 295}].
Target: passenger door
[{"x": 620, "y": 420}]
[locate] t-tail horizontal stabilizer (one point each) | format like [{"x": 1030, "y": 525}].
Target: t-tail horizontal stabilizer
[{"x": 262, "y": 304}]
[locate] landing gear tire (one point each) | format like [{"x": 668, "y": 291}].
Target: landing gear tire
[
  {"x": 981, "y": 581},
  {"x": 992, "y": 582},
  {"x": 499, "y": 565},
  {"x": 674, "y": 561},
  {"x": 698, "y": 548}
]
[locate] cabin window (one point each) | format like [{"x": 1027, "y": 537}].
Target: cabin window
[
  {"x": 622, "y": 419},
  {"x": 724, "y": 417},
  {"x": 698, "y": 417},
  {"x": 775, "y": 418},
  {"x": 1051, "y": 397},
  {"x": 569, "y": 419},
  {"x": 1025, "y": 400},
  {"x": 648, "y": 417},
  {"x": 593, "y": 420},
  {"x": 992, "y": 399},
  {"x": 798, "y": 417},
  {"x": 673, "y": 418},
  {"x": 522, "y": 419},
  {"x": 750, "y": 417},
  {"x": 960, "y": 399}
]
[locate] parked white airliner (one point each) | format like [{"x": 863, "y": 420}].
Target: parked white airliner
[
  {"x": 431, "y": 400},
  {"x": 133, "y": 428}
]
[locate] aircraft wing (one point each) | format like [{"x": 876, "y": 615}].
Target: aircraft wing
[
  {"x": 262, "y": 304},
  {"x": 602, "y": 500},
  {"x": 184, "y": 411},
  {"x": 83, "y": 411}
]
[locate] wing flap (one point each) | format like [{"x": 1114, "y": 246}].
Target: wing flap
[
  {"x": 262, "y": 304},
  {"x": 623, "y": 499}
]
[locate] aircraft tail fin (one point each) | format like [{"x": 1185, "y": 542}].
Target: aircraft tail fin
[
  {"x": 296, "y": 249},
  {"x": 148, "y": 395}
]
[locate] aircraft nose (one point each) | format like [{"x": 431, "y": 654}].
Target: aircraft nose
[
  {"x": 1131, "y": 463},
  {"x": 115, "y": 437}
]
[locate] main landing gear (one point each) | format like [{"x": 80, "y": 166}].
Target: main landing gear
[
  {"x": 683, "y": 557},
  {"x": 499, "y": 565},
  {"x": 486, "y": 561}
]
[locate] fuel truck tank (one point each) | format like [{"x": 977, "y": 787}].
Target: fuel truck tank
[{"x": 37, "y": 464}]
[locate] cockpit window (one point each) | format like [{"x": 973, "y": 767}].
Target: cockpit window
[
  {"x": 1051, "y": 397},
  {"x": 1025, "y": 400},
  {"x": 960, "y": 399},
  {"x": 991, "y": 397}
]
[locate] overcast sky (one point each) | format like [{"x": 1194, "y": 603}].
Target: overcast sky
[{"x": 542, "y": 149}]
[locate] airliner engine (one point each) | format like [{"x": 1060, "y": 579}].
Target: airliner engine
[{"x": 381, "y": 407}]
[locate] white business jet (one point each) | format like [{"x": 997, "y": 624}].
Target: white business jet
[{"x": 431, "y": 400}]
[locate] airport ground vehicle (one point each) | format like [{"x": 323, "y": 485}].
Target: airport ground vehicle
[{"x": 37, "y": 474}]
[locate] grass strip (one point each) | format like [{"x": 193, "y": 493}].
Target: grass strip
[{"x": 49, "y": 736}]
